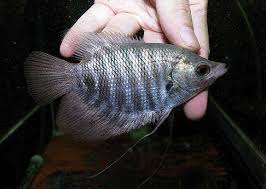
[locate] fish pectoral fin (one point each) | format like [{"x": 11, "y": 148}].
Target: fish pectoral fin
[
  {"x": 162, "y": 116},
  {"x": 89, "y": 43},
  {"x": 87, "y": 121}
]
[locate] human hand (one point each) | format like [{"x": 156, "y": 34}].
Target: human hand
[{"x": 182, "y": 22}]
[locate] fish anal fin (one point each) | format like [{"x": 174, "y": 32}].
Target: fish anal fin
[{"x": 87, "y": 121}]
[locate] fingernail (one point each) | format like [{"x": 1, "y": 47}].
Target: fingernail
[{"x": 189, "y": 37}]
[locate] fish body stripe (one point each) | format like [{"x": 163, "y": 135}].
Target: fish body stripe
[{"x": 129, "y": 79}]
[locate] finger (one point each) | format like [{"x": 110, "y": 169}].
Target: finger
[
  {"x": 176, "y": 22},
  {"x": 154, "y": 37},
  {"x": 199, "y": 18},
  {"x": 145, "y": 14},
  {"x": 94, "y": 19},
  {"x": 125, "y": 23},
  {"x": 196, "y": 107}
]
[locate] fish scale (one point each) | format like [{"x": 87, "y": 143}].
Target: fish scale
[{"x": 138, "y": 75}]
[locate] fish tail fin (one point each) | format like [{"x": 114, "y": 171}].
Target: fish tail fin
[{"x": 48, "y": 77}]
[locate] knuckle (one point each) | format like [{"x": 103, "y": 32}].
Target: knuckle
[
  {"x": 199, "y": 3},
  {"x": 183, "y": 7},
  {"x": 151, "y": 2},
  {"x": 199, "y": 6}
]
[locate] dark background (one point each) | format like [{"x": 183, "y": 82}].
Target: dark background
[{"x": 40, "y": 25}]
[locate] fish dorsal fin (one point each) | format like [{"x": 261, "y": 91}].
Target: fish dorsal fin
[{"x": 90, "y": 43}]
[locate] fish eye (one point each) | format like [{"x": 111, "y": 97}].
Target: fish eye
[{"x": 203, "y": 70}]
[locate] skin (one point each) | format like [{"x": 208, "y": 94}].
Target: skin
[{"x": 180, "y": 22}]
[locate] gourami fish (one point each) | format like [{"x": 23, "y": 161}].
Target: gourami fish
[{"x": 120, "y": 83}]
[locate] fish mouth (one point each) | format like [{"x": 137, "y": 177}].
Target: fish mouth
[
  {"x": 217, "y": 71},
  {"x": 220, "y": 70}
]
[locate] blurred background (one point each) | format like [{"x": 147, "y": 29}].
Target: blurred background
[{"x": 229, "y": 142}]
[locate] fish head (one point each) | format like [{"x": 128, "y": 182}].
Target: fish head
[{"x": 194, "y": 73}]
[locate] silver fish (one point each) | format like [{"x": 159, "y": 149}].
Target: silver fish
[{"x": 120, "y": 83}]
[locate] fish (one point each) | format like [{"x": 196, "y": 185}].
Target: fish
[{"x": 120, "y": 83}]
